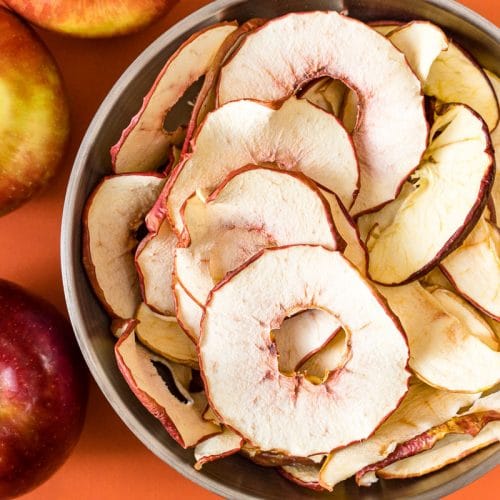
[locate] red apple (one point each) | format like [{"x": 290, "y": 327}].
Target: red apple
[
  {"x": 34, "y": 118},
  {"x": 91, "y": 18},
  {"x": 43, "y": 390}
]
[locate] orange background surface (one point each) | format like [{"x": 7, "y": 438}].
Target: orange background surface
[{"x": 109, "y": 462}]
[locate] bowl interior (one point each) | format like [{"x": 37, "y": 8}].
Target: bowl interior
[{"x": 234, "y": 476}]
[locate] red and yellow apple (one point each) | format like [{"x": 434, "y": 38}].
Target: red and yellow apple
[
  {"x": 34, "y": 118},
  {"x": 43, "y": 390},
  {"x": 91, "y": 18}
]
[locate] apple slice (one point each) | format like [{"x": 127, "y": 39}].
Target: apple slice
[
  {"x": 144, "y": 144},
  {"x": 455, "y": 77},
  {"x": 34, "y": 113},
  {"x": 165, "y": 337},
  {"x": 120, "y": 326},
  {"x": 391, "y": 133},
  {"x": 180, "y": 415},
  {"x": 477, "y": 428},
  {"x": 205, "y": 101},
  {"x": 304, "y": 475},
  {"x": 301, "y": 335},
  {"x": 334, "y": 93},
  {"x": 451, "y": 449},
  {"x": 443, "y": 351},
  {"x": 154, "y": 261},
  {"x": 355, "y": 250},
  {"x": 91, "y": 18},
  {"x": 216, "y": 447},
  {"x": 190, "y": 318},
  {"x": 112, "y": 215},
  {"x": 290, "y": 414},
  {"x": 253, "y": 208},
  {"x": 474, "y": 268},
  {"x": 495, "y": 139},
  {"x": 421, "y": 42},
  {"x": 423, "y": 407},
  {"x": 210, "y": 416},
  {"x": 247, "y": 132},
  {"x": 446, "y": 196},
  {"x": 468, "y": 316}
]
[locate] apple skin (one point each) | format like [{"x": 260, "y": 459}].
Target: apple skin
[
  {"x": 34, "y": 116},
  {"x": 91, "y": 18},
  {"x": 43, "y": 390}
]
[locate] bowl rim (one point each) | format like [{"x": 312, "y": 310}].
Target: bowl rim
[{"x": 69, "y": 232}]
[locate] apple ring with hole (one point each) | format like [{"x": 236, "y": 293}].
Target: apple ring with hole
[
  {"x": 252, "y": 209},
  {"x": 391, "y": 131},
  {"x": 289, "y": 414}
]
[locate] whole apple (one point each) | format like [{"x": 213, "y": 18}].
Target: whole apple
[
  {"x": 91, "y": 18},
  {"x": 34, "y": 114},
  {"x": 43, "y": 390}
]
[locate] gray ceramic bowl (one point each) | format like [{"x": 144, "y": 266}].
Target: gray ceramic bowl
[{"x": 234, "y": 477}]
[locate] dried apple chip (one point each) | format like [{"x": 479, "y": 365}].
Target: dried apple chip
[
  {"x": 446, "y": 196},
  {"x": 290, "y": 414},
  {"x": 164, "y": 336},
  {"x": 113, "y": 213},
  {"x": 180, "y": 415},
  {"x": 422, "y": 408},
  {"x": 144, "y": 144},
  {"x": 443, "y": 351}
]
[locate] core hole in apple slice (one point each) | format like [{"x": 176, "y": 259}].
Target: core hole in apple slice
[
  {"x": 302, "y": 335},
  {"x": 328, "y": 360},
  {"x": 175, "y": 118}
]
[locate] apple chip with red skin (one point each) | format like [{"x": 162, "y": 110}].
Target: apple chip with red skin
[
  {"x": 154, "y": 261},
  {"x": 456, "y": 77},
  {"x": 423, "y": 407},
  {"x": 391, "y": 133},
  {"x": 164, "y": 336},
  {"x": 34, "y": 115},
  {"x": 295, "y": 136},
  {"x": 216, "y": 447},
  {"x": 144, "y": 144},
  {"x": 253, "y": 208},
  {"x": 205, "y": 100},
  {"x": 495, "y": 139},
  {"x": 180, "y": 415},
  {"x": 290, "y": 414},
  {"x": 303, "y": 475},
  {"x": 443, "y": 351},
  {"x": 91, "y": 18},
  {"x": 113, "y": 213},
  {"x": 474, "y": 268},
  {"x": 447, "y": 443},
  {"x": 446, "y": 195}
]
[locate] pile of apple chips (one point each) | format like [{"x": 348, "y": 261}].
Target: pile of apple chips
[{"x": 307, "y": 270}]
